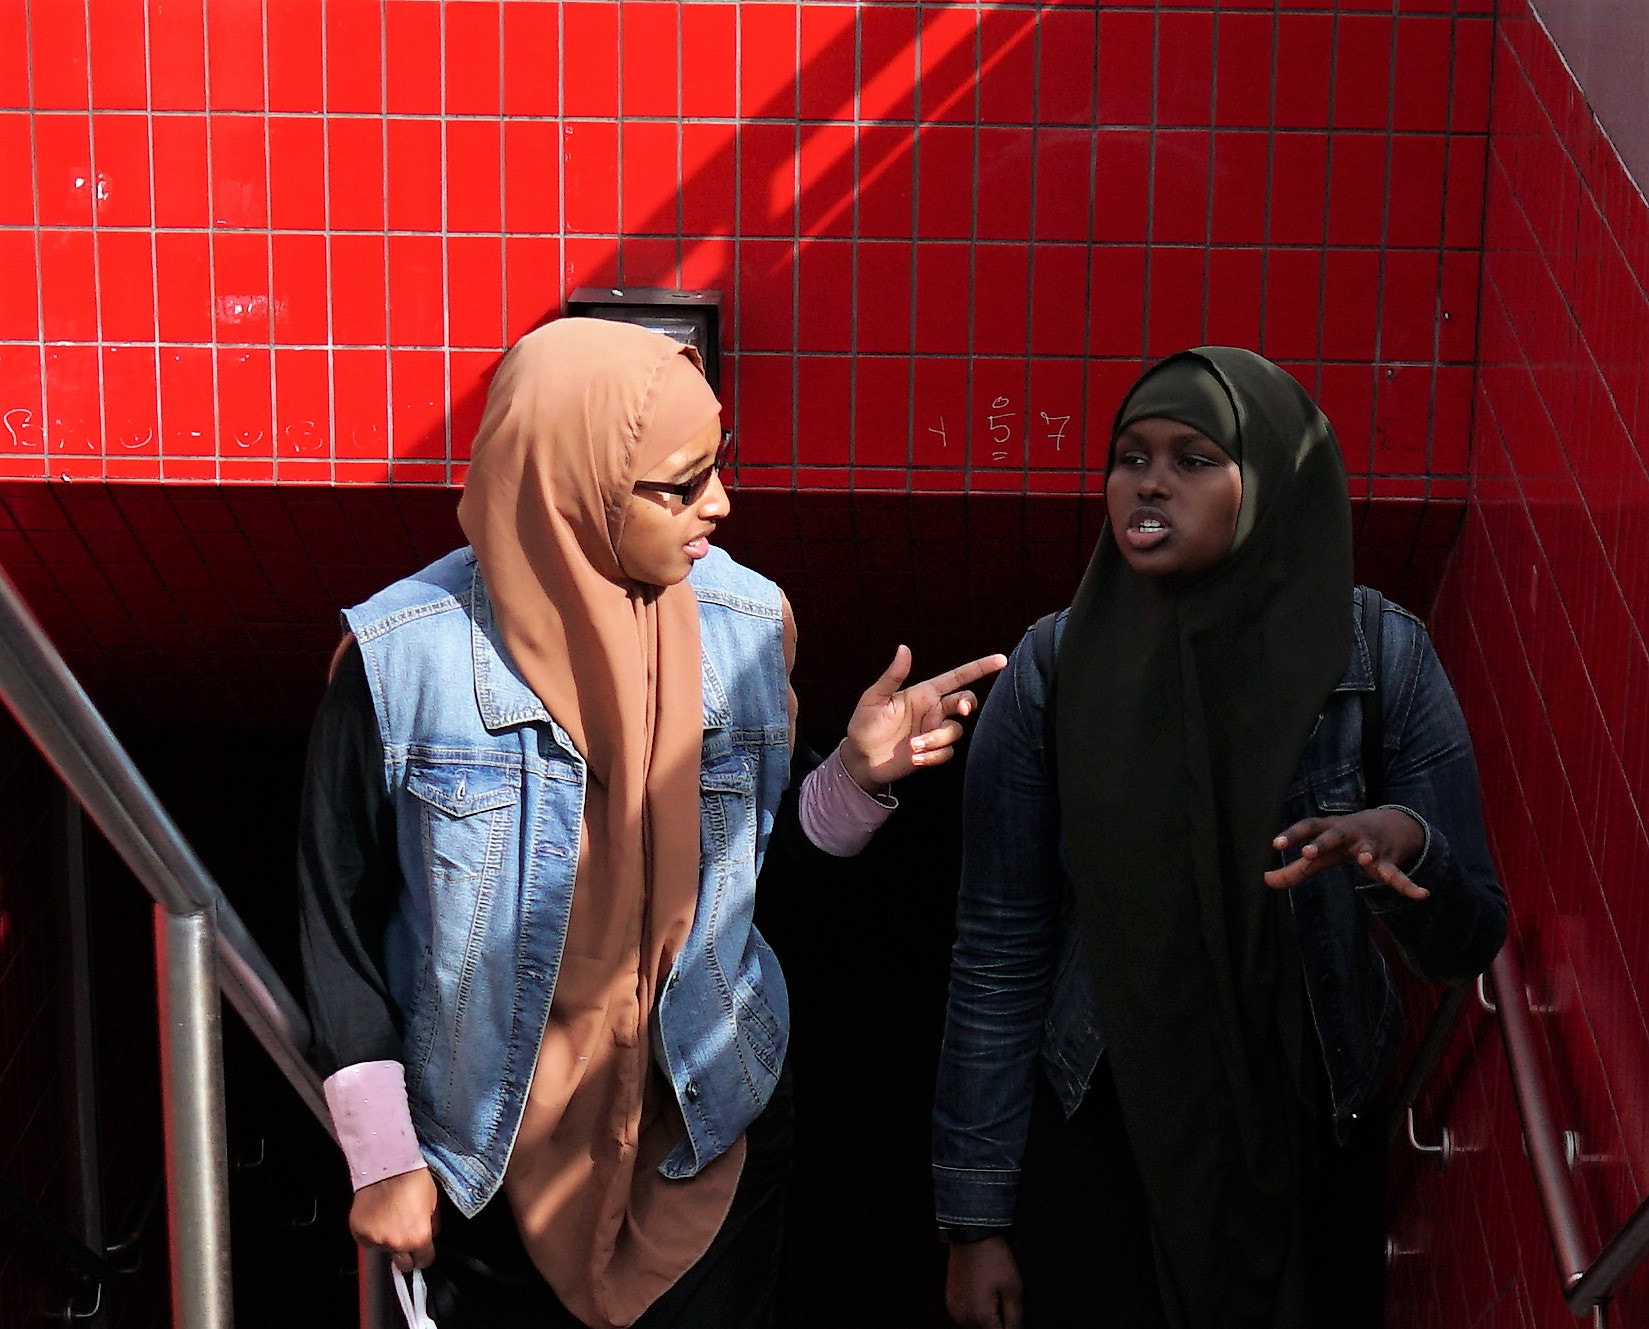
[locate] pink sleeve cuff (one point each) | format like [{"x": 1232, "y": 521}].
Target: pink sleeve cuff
[
  {"x": 368, "y": 1102},
  {"x": 836, "y": 814}
]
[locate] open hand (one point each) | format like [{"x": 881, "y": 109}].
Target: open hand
[
  {"x": 1378, "y": 840},
  {"x": 397, "y": 1216},
  {"x": 894, "y": 729}
]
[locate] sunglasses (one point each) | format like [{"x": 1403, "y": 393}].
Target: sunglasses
[{"x": 690, "y": 490}]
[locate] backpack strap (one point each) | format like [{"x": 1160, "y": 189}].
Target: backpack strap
[
  {"x": 1042, "y": 650},
  {"x": 1369, "y": 606}
]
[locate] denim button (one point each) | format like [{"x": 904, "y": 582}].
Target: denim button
[{"x": 692, "y": 1089}]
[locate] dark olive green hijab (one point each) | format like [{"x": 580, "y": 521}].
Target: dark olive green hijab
[{"x": 1181, "y": 712}]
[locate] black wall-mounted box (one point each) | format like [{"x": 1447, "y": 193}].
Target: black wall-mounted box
[{"x": 693, "y": 317}]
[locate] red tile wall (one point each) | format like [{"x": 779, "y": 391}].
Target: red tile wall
[
  {"x": 1542, "y": 622},
  {"x": 287, "y": 242}
]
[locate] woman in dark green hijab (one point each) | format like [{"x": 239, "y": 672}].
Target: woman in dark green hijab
[{"x": 1133, "y": 913}]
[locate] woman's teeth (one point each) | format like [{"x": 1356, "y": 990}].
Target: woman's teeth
[{"x": 1145, "y": 532}]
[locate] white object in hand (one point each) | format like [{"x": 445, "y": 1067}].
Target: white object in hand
[{"x": 413, "y": 1296}]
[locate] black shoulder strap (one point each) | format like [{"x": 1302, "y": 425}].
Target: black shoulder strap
[
  {"x": 1374, "y": 729},
  {"x": 1042, "y": 647}
]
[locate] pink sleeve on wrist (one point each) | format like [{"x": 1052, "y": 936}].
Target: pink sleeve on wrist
[
  {"x": 368, "y": 1102},
  {"x": 836, "y": 814}
]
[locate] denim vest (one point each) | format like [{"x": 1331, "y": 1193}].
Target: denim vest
[{"x": 488, "y": 795}]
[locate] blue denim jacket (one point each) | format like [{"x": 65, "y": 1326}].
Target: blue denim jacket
[
  {"x": 1020, "y": 993},
  {"x": 489, "y": 795}
]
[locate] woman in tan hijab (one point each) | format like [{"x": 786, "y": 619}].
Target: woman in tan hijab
[{"x": 541, "y": 786}]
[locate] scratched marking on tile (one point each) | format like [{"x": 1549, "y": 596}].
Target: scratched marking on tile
[
  {"x": 64, "y": 432},
  {"x": 241, "y": 308},
  {"x": 1001, "y": 426},
  {"x": 999, "y": 423},
  {"x": 16, "y": 421},
  {"x": 302, "y": 434}
]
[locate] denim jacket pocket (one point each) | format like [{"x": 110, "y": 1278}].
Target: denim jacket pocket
[
  {"x": 1336, "y": 792},
  {"x": 727, "y": 800},
  {"x": 465, "y": 813},
  {"x": 463, "y": 788},
  {"x": 731, "y": 773},
  {"x": 468, "y": 811}
]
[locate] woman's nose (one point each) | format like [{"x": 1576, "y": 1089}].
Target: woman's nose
[
  {"x": 1153, "y": 480},
  {"x": 715, "y": 505}
]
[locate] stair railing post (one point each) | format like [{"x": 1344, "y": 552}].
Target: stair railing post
[
  {"x": 197, "y": 1148},
  {"x": 378, "y": 1307}
]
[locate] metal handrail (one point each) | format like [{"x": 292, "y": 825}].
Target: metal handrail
[
  {"x": 1615, "y": 1261},
  {"x": 54, "y": 710},
  {"x": 1586, "y": 1285},
  {"x": 1540, "y": 1134},
  {"x": 202, "y": 947}
]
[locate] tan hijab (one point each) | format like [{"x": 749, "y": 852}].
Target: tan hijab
[{"x": 577, "y": 411}]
